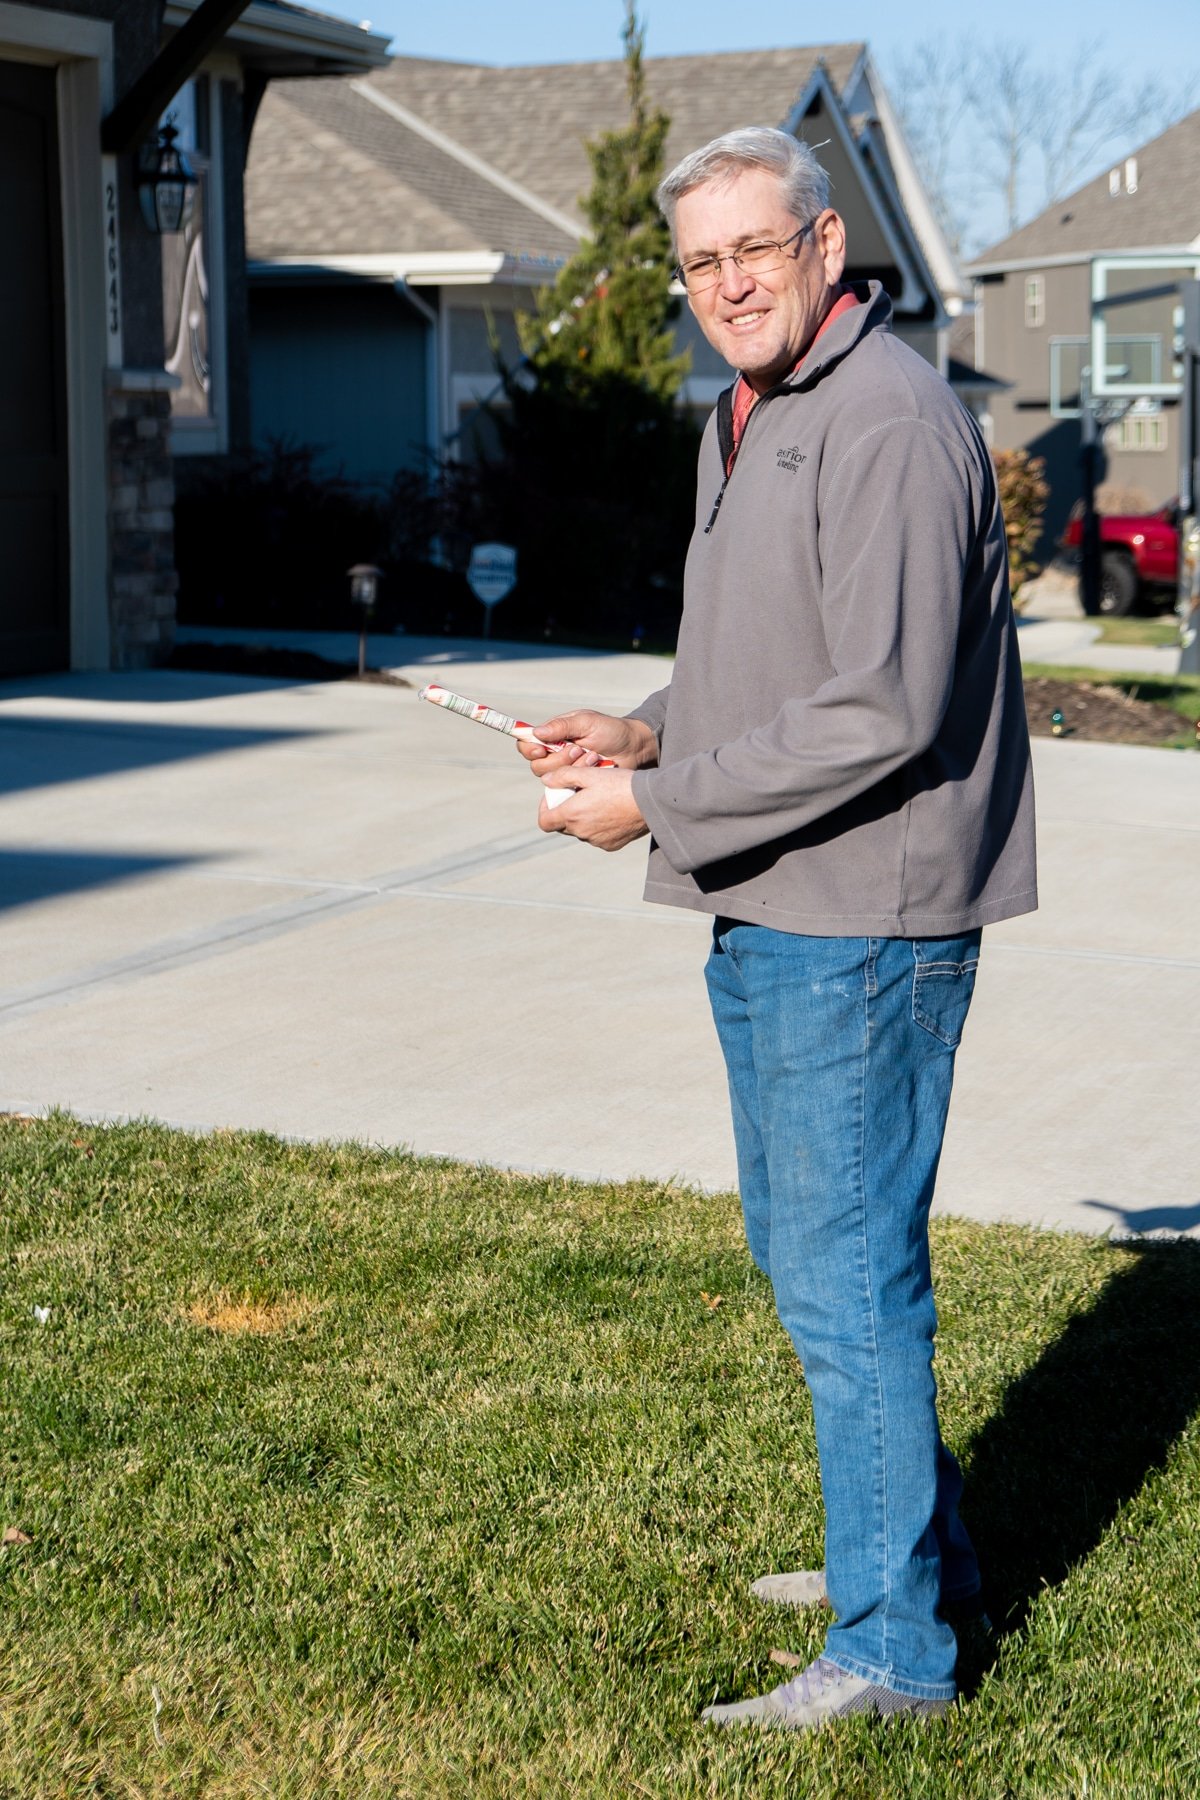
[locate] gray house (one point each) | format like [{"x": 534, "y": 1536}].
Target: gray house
[
  {"x": 1033, "y": 320},
  {"x": 133, "y": 347},
  {"x": 396, "y": 222}
]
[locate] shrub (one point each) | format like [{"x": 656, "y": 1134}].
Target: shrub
[
  {"x": 266, "y": 539},
  {"x": 1023, "y": 495},
  {"x": 597, "y": 498}
]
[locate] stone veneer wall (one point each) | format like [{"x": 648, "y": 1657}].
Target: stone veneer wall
[{"x": 141, "y": 500}]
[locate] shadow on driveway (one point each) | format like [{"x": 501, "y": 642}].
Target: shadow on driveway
[
  {"x": 1148, "y": 1218},
  {"x": 44, "y": 751},
  {"x": 28, "y": 876}
]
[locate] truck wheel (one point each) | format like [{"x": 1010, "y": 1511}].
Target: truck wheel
[{"x": 1118, "y": 585}]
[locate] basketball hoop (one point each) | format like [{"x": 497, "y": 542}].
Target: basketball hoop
[{"x": 1109, "y": 411}]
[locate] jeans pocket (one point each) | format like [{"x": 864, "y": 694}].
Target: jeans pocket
[{"x": 943, "y": 982}]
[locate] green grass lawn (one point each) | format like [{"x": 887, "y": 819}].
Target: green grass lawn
[
  {"x": 352, "y": 1475},
  {"x": 1151, "y": 633}
]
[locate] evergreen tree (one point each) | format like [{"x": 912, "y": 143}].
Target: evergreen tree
[
  {"x": 595, "y": 486},
  {"x": 610, "y": 309}
]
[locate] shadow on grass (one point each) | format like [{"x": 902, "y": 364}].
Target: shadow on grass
[{"x": 1078, "y": 1434}]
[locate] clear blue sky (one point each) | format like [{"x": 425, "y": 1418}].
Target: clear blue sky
[{"x": 1157, "y": 34}]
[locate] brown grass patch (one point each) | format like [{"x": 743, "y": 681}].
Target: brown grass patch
[{"x": 247, "y": 1317}]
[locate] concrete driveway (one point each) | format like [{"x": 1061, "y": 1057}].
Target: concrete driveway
[{"x": 324, "y": 910}]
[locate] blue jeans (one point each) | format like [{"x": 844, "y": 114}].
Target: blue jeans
[{"x": 840, "y": 1055}]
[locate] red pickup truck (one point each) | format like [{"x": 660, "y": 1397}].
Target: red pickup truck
[{"x": 1139, "y": 557}]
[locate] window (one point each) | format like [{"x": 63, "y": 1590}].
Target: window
[
  {"x": 1035, "y": 300},
  {"x": 1135, "y": 359},
  {"x": 193, "y": 296}
]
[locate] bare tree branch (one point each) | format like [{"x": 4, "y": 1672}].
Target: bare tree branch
[
  {"x": 992, "y": 125},
  {"x": 1009, "y": 96}
]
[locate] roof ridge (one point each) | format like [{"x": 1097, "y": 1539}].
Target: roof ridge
[
  {"x": 450, "y": 147},
  {"x": 618, "y": 62}
]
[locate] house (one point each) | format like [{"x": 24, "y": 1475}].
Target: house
[
  {"x": 1033, "y": 321},
  {"x": 98, "y": 404},
  {"x": 397, "y": 221}
]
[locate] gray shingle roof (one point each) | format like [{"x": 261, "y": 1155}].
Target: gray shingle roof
[
  {"x": 532, "y": 123},
  {"x": 329, "y": 172},
  {"x": 1164, "y": 211}
]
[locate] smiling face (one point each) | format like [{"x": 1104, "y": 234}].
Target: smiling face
[{"x": 760, "y": 323}]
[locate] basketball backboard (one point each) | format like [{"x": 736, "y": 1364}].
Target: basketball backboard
[{"x": 1134, "y": 323}]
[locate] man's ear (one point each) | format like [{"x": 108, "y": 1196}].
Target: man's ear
[{"x": 830, "y": 234}]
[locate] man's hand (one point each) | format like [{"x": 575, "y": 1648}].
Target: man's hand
[
  {"x": 603, "y": 811},
  {"x": 588, "y": 736}
]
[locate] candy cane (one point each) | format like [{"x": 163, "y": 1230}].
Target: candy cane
[{"x": 498, "y": 721}]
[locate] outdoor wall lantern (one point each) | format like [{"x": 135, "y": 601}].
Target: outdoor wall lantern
[
  {"x": 166, "y": 184},
  {"x": 364, "y": 585}
]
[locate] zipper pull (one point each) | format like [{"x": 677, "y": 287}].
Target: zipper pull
[{"x": 712, "y": 517}]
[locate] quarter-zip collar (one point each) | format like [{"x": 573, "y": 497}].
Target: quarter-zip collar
[{"x": 837, "y": 336}]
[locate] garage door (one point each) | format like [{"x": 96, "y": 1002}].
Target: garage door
[{"x": 34, "y": 601}]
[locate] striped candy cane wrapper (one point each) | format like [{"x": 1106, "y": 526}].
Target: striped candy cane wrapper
[{"x": 498, "y": 721}]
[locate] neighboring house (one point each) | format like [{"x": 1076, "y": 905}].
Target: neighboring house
[
  {"x": 90, "y": 418},
  {"x": 396, "y": 222},
  {"x": 1033, "y": 320}
]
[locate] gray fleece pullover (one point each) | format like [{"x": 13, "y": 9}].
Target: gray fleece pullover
[{"x": 843, "y": 748}]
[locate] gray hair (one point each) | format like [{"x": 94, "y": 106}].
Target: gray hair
[{"x": 804, "y": 183}]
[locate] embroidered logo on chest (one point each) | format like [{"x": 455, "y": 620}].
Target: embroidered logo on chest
[{"x": 790, "y": 459}]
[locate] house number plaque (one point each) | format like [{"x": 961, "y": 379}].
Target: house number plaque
[{"x": 112, "y": 262}]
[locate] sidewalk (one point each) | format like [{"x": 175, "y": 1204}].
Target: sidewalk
[
  {"x": 1052, "y": 628},
  {"x": 324, "y": 910}
]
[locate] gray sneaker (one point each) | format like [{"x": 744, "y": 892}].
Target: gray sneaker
[{"x": 819, "y": 1693}]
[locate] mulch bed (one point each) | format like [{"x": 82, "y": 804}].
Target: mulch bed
[
  {"x": 1103, "y": 715},
  {"x": 272, "y": 665}
]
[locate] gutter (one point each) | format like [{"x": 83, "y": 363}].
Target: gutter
[
  {"x": 1185, "y": 252},
  {"x": 419, "y": 268},
  {"x": 295, "y": 32}
]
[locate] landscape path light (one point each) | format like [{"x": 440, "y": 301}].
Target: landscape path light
[{"x": 364, "y": 586}]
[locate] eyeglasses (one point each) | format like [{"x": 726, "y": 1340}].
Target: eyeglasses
[{"x": 756, "y": 259}]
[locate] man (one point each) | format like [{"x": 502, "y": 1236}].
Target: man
[{"x": 839, "y": 773}]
